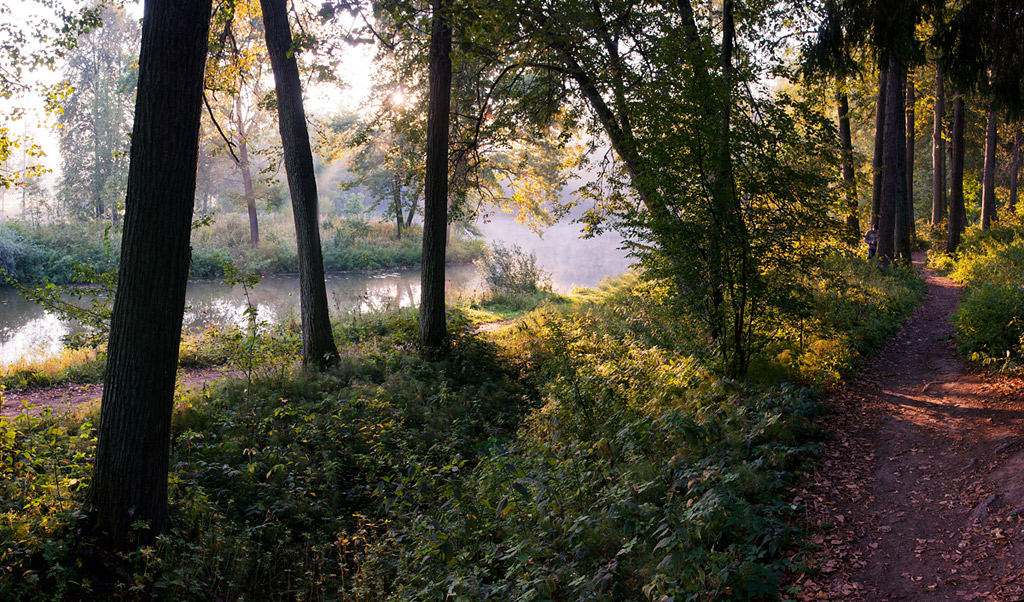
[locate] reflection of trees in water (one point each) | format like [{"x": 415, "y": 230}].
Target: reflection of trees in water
[{"x": 26, "y": 331}]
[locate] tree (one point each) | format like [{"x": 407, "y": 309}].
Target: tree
[
  {"x": 988, "y": 182},
  {"x": 52, "y": 36},
  {"x": 849, "y": 174},
  {"x": 318, "y": 347},
  {"x": 911, "y": 100},
  {"x": 957, "y": 209},
  {"x": 96, "y": 118},
  {"x": 877, "y": 161},
  {"x": 129, "y": 485},
  {"x": 939, "y": 151},
  {"x": 433, "y": 329},
  {"x": 1018, "y": 141},
  {"x": 238, "y": 55}
]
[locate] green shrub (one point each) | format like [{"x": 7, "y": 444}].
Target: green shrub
[{"x": 511, "y": 271}]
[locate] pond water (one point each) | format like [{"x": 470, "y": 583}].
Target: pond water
[{"x": 29, "y": 332}]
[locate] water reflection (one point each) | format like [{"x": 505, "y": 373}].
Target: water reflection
[{"x": 28, "y": 332}]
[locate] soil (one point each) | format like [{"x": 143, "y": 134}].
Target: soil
[
  {"x": 920, "y": 492},
  {"x": 80, "y": 398}
]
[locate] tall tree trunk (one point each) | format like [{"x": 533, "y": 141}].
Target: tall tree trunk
[
  {"x": 892, "y": 207},
  {"x": 433, "y": 332},
  {"x": 939, "y": 151},
  {"x": 957, "y": 210},
  {"x": 396, "y": 183},
  {"x": 988, "y": 183},
  {"x": 911, "y": 99},
  {"x": 250, "y": 197},
  {"x": 1015, "y": 171},
  {"x": 876, "y": 161},
  {"x": 129, "y": 481},
  {"x": 849, "y": 175},
  {"x": 318, "y": 348}
]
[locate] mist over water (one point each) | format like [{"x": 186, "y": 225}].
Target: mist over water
[
  {"x": 27, "y": 332},
  {"x": 570, "y": 260}
]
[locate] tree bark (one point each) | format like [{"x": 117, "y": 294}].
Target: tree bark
[
  {"x": 876, "y": 162},
  {"x": 396, "y": 182},
  {"x": 433, "y": 330},
  {"x": 892, "y": 205},
  {"x": 911, "y": 99},
  {"x": 849, "y": 175},
  {"x": 988, "y": 185},
  {"x": 318, "y": 348},
  {"x": 939, "y": 151},
  {"x": 250, "y": 197},
  {"x": 957, "y": 210},
  {"x": 1015, "y": 171},
  {"x": 129, "y": 481}
]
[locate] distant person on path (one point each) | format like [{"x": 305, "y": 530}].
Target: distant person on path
[{"x": 871, "y": 237}]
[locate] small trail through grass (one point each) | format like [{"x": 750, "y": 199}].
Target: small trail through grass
[
  {"x": 76, "y": 397},
  {"x": 920, "y": 495}
]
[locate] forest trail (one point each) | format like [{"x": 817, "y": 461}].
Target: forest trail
[
  {"x": 920, "y": 494},
  {"x": 78, "y": 397}
]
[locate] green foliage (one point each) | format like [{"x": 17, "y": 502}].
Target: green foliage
[
  {"x": 511, "y": 271},
  {"x": 990, "y": 318},
  {"x": 587, "y": 454}
]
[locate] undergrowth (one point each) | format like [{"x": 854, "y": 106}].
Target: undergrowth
[
  {"x": 990, "y": 317},
  {"x": 586, "y": 454}
]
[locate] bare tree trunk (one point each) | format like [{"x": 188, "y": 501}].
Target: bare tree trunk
[
  {"x": 396, "y": 182},
  {"x": 129, "y": 483},
  {"x": 892, "y": 207},
  {"x": 318, "y": 348},
  {"x": 988, "y": 183},
  {"x": 849, "y": 175},
  {"x": 957, "y": 210},
  {"x": 411, "y": 214},
  {"x": 876, "y": 162},
  {"x": 1015, "y": 171},
  {"x": 939, "y": 152},
  {"x": 911, "y": 99},
  {"x": 433, "y": 331},
  {"x": 250, "y": 197}
]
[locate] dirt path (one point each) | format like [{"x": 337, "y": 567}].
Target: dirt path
[
  {"x": 79, "y": 397},
  {"x": 920, "y": 495}
]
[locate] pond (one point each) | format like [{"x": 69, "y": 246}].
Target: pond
[{"x": 28, "y": 332}]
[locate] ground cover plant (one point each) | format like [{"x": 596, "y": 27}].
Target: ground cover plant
[
  {"x": 990, "y": 317},
  {"x": 587, "y": 453}
]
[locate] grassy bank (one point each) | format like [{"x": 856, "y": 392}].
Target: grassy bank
[
  {"x": 56, "y": 252},
  {"x": 586, "y": 454}
]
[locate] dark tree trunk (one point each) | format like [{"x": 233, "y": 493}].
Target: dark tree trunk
[
  {"x": 957, "y": 210},
  {"x": 892, "y": 207},
  {"x": 876, "y": 162},
  {"x": 129, "y": 482},
  {"x": 939, "y": 152},
  {"x": 318, "y": 348},
  {"x": 433, "y": 334},
  {"x": 250, "y": 197},
  {"x": 1015, "y": 171},
  {"x": 911, "y": 99},
  {"x": 411, "y": 214},
  {"x": 849, "y": 175},
  {"x": 988, "y": 183}
]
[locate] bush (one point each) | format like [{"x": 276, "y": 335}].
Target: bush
[{"x": 511, "y": 271}]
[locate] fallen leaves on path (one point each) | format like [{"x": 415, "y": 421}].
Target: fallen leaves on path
[{"x": 920, "y": 492}]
